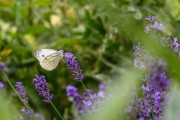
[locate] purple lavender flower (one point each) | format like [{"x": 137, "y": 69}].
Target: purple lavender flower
[
  {"x": 27, "y": 113},
  {"x": 102, "y": 89},
  {"x": 147, "y": 29},
  {"x": 154, "y": 26},
  {"x": 151, "y": 106},
  {"x": 1, "y": 84},
  {"x": 176, "y": 45},
  {"x": 145, "y": 108},
  {"x": 82, "y": 102},
  {"x": 102, "y": 86},
  {"x": 141, "y": 118},
  {"x": 38, "y": 116},
  {"x": 155, "y": 92},
  {"x": 1, "y": 66},
  {"x": 21, "y": 91},
  {"x": 155, "y": 89},
  {"x": 157, "y": 26},
  {"x": 42, "y": 88},
  {"x": 150, "y": 18},
  {"x": 74, "y": 66},
  {"x": 71, "y": 91}
]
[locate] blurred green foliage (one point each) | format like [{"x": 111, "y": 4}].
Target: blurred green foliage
[{"x": 100, "y": 33}]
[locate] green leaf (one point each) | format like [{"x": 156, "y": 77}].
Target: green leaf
[
  {"x": 35, "y": 29},
  {"x": 42, "y": 3}
]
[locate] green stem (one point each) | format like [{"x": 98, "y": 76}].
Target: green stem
[
  {"x": 5, "y": 76},
  {"x": 56, "y": 110},
  {"x": 86, "y": 89}
]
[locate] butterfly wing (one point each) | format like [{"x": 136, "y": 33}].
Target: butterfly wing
[
  {"x": 48, "y": 58},
  {"x": 43, "y": 53},
  {"x": 50, "y": 62}
]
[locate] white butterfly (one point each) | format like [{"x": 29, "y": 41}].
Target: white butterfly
[{"x": 49, "y": 58}]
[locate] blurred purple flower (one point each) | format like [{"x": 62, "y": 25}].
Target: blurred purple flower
[
  {"x": 21, "y": 91},
  {"x": 141, "y": 118},
  {"x": 147, "y": 29},
  {"x": 82, "y": 102},
  {"x": 38, "y": 116},
  {"x": 71, "y": 91},
  {"x": 1, "y": 66},
  {"x": 150, "y": 18},
  {"x": 27, "y": 113},
  {"x": 102, "y": 89},
  {"x": 176, "y": 45},
  {"x": 42, "y": 88},
  {"x": 155, "y": 92},
  {"x": 157, "y": 26},
  {"x": 102, "y": 86},
  {"x": 1, "y": 84},
  {"x": 74, "y": 66}
]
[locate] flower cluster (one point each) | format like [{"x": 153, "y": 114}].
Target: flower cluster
[
  {"x": 155, "y": 92},
  {"x": 82, "y": 102},
  {"x": 150, "y": 18},
  {"x": 42, "y": 88},
  {"x": 156, "y": 83},
  {"x": 74, "y": 66},
  {"x": 21, "y": 91},
  {"x": 77, "y": 99},
  {"x": 154, "y": 26},
  {"x": 174, "y": 44},
  {"x": 28, "y": 114}
]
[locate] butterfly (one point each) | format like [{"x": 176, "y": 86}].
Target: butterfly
[{"x": 49, "y": 58}]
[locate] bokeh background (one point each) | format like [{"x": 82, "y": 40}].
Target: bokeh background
[{"x": 100, "y": 33}]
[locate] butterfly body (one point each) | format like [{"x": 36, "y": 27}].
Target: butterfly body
[{"x": 48, "y": 58}]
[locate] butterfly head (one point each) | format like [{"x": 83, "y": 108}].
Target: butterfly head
[{"x": 61, "y": 52}]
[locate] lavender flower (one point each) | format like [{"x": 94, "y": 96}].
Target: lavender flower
[
  {"x": 21, "y": 91},
  {"x": 1, "y": 66},
  {"x": 147, "y": 29},
  {"x": 82, "y": 102},
  {"x": 74, "y": 66},
  {"x": 156, "y": 83},
  {"x": 1, "y": 84},
  {"x": 42, "y": 88},
  {"x": 150, "y": 18},
  {"x": 157, "y": 26},
  {"x": 38, "y": 116},
  {"x": 155, "y": 92},
  {"x": 154, "y": 26},
  {"x": 102, "y": 89},
  {"x": 27, "y": 113},
  {"x": 176, "y": 45},
  {"x": 71, "y": 91}
]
